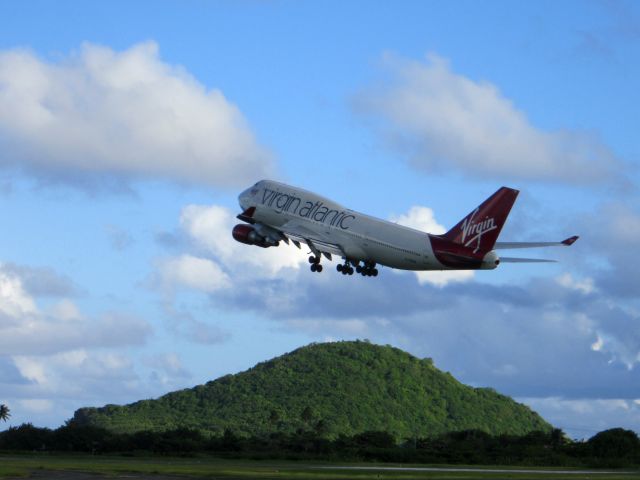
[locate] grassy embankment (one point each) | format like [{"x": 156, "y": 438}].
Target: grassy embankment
[{"x": 21, "y": 465}]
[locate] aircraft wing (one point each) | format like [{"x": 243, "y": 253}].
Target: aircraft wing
[
  {"x": 315, "y": 240},
  {"x": 509, "y": 245}
]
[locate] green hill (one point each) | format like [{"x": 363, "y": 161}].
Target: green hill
[{"x": 331, "y": 388}]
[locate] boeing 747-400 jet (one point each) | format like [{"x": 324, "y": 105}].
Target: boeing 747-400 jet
[{"x": 275, "y": 212}]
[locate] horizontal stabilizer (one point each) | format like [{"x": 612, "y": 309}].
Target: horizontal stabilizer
[
  {"x": 508, "y": 245},
  {"x": 525, "y": 260}
]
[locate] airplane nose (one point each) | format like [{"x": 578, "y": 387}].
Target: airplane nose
[{"x": 243, "y": 199}]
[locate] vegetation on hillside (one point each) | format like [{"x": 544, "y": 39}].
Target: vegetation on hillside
[{"x": 330, "y": 389}]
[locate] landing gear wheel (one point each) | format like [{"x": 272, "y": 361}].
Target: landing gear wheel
[
  {"x": 375, "y": 272},
  {"x": 314, "y": 267},
  {"x": 318, "y": 268},
  {"x": 339, "y": 267}
]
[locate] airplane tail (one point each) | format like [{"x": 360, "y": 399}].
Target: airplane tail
[{"x": 480, "y": 229}]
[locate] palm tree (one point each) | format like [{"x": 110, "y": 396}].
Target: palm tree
[{"x": 4, "y": 412}]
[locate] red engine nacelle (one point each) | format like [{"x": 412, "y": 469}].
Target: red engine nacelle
[{"x": 244, "y": 233}]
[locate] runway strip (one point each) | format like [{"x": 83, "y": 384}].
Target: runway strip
[{"x": 481, "y": 470}]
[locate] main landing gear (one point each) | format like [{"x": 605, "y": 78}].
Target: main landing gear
[
  {"x": 368, "y": 269},
  {"x": 345, "y": 269},
  {"x": 315, "y": 263}
]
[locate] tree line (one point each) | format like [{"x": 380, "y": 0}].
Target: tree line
[{"x": 610, "y": 448}]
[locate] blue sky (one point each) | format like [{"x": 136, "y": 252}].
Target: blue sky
[{"x": 127, "y": 131}]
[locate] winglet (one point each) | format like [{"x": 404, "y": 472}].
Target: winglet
[
  {"x": 247, "y": 215},
  {"x": 570, "y": 241}
]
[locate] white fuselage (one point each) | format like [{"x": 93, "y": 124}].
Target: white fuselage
[{"x": 361, "y": 236}]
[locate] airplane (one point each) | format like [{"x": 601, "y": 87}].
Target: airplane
[{"x": 275, "y": 212}]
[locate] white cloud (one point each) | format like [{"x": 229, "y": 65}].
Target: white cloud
[
  {"x": 41, "y": 282},
  {"x": 585, "y": 285},
  {"x": 194, "y": 272},
  {"x": 210, "y": 227},
  {"x": 423, "y": 218},
  {"x": 46, "y": 334},
  {"x": 441, "y": 278},
  {"x": 442, "y": 119},
  {"x": 624, "y": 349},
  {"x": 125, "y": 114},
  {"x": 93, "y": 373},
  {"x": 55, "y": 358},
  {"x": 31, "y": 368},
  {"x": 14, "y": 300},
  {"x": 25, "y": 329},
  {"x": 420, "y": 218},
  {"x": 63, "y": 382}
]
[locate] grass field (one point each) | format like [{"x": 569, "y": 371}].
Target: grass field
[{"x": 22, "y": 465}]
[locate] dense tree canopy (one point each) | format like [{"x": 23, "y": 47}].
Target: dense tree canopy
[
  {"x": 462, "y": 447},
  {"x": 615, "y": 443}
]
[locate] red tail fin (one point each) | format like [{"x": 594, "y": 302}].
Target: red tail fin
[{"x": 480, "y": 229}]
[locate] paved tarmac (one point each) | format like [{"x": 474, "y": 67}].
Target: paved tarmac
[
  {"x": 480, "y": 470},
  {"x": 71, "y": 475},
  {"x": 65, "y": 475}
]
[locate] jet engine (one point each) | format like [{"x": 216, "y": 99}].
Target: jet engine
[{"x": 244, "y": 233}]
